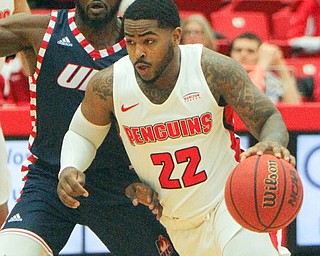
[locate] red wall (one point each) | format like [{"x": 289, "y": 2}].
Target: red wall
[{"x": 15, "y": 121}]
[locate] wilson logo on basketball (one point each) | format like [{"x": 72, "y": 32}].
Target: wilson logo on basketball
[{"x": 271, "y": 185}]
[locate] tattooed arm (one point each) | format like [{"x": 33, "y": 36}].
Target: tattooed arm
[
  {"x": 229, "y": 82},
  {"x": 97, "y": 105},
  {"x": 88, "y": 128}
]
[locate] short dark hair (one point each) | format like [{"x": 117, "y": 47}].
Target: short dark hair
[
  {"x": 247, "y": 35},
  {"x": 165, "y": 12}
]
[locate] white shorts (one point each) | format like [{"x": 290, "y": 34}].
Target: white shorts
[{"x": 217, "y": 234}]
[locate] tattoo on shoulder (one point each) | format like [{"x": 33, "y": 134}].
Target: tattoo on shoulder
[
  {"x": 228, "y": 80},
  {"x": 102, "y": 85}
]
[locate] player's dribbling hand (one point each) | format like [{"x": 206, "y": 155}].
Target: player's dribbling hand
[
  {"x": 269, "y": 147},
  {"x": 139, "y": 192},
  {"x": 71, "y": 182}
]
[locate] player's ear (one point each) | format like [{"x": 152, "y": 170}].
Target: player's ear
[{"x": 176, "y": 35}]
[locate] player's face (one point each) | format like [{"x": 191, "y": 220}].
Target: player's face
[
  {"x": 97, "y": 13},
  {"x": 245, "y": 51},
  {"x": 150, "y": 48}
]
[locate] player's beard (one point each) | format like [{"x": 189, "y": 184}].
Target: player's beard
[
  {"x": 97, "y": 22},
  {"x": 163, "y": 67}
]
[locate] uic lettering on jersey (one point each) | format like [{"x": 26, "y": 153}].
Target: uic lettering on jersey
[{"x": 76, "y": 77}]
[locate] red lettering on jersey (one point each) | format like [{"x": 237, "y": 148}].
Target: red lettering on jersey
[
  {"x": 136, "y": 135},
  {"x": 171, "y": 129},
  {"x": 184, "y": 128},
  {"x": 76, "y": 77},
  {"x": 129, "y": 134},
  {"x": 160, "y": 132},
  {"x": 206, "y": 121},
  {"x": 5, "y": 13},
  {"x": 147, "y": 134},
  {"x": 194, "y": 125}
]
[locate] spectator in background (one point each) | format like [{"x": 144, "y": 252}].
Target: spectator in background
[
  {"x": 197, "y": 30},
  {"x": 305, "y": 27},
  {"x": 267, "y": 68}
]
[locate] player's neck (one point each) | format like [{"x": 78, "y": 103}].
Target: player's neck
[
  {"x": 159, "y": 90},
  {"x": 102, "y": 37}
]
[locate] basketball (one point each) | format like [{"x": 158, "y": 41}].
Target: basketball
[{"x": 264, "y": 193}]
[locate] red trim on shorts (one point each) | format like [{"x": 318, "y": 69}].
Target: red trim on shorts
[{"x": 29, "y": 234}]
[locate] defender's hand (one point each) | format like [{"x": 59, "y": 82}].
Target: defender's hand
[
  {"x": 71, "y": 182},
  {"x": 269, "y": 147},
  {"x": 142, "y": 193}
]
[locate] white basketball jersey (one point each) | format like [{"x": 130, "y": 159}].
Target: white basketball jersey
[{"x": 181, "y": 147}]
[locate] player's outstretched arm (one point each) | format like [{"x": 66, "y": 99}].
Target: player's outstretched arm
[
  {"x": 88, "y": 128},
  {"x": 22, "y": 32},
  {"x": 229, "y": 83}
]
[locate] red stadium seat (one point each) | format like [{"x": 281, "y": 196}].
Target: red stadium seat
[
  {"x": 266, "y": 6},
  {"x": 232, "y": 23},
  {"x": 204, "y": 6},
  {"x": 271, "y": 8},
  {"x": 307, "y": 67},
  {"x": 281, "y": 23},
  {"x": 223, "y": 46},
  {"x": 186, "y": 13}
]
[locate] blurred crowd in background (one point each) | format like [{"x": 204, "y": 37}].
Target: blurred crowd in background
[{"x": 276, "y": 41}]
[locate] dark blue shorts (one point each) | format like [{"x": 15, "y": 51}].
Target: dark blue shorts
[{"x": 123, "y": 228}]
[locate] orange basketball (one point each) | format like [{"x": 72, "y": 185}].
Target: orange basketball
[{"x": 264, "y": 193}]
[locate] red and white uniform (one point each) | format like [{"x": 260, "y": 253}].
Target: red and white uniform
[
  {"x": 184, "y": 151},
  {"x": 180, "y": 147}
]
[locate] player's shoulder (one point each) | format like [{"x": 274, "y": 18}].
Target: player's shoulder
[
  {"x": 215, "y": 58},
  {"x": 218, "y": 64},
  {"x": 100, "y": 86},
  {"x": 104, "y": 77}
]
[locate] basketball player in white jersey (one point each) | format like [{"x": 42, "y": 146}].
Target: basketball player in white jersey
[
  {"x": 174, "y": 107},
  {"x": 7, "y": 7}
]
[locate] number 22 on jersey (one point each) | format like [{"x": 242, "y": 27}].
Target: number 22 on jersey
[{"x": 190, "y": 176}]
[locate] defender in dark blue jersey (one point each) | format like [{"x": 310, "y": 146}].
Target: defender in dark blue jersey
[{"x": 65, "y": 50}]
